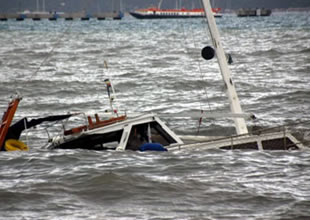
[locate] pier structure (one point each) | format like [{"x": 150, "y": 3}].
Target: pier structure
[{"x": 53, "y": 16}]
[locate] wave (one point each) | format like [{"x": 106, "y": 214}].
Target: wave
[
  {"x": 306, "y": 51},
  {"x": 270, "y": 52}
]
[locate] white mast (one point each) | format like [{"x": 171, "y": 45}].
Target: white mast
[{"x": 235, "y": 106}]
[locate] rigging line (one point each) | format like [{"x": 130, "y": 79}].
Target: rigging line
[
  {"x": 107, "y": 68},
  {"x": 47, "y": 56},
  {"x": 52, "y": 50},
  {"x": 207, "y": 28},
  {"x": 201, "y": 75},
  {"x": 200, "y": 71},
  {"x": 192, "y": 63},
  {"x": 202, "y": 80},
  {"x": 198, "y": 64}
]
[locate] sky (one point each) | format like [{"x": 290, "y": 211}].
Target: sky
[{"x": 110, "y": 5}]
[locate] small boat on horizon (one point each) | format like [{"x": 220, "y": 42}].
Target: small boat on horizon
[{"x": 254, "y": 12}]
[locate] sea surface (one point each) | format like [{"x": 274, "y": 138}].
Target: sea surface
[{"x": 156, "y": 66}]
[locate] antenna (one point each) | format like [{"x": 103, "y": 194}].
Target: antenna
[{"x": 111, "y": 91}]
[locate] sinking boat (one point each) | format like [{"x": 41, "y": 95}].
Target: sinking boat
[
  {"x": 118, "y": 133},
  {"x": 148, "y": 132}
]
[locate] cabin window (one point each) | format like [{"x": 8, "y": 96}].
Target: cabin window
[
  {"x": 248, "y": 146},
  {"x": 107, "y": 141},
  {"x": 279, "y": 144},
  {"x": 140, "y": 135},
  {"x": 159, "y": 135},
  {"x": 137, "y": 137}
]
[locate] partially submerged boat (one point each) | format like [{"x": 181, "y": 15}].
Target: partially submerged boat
[
  {"x": 144, "y": 132},
  {"x": 148, "y": 132}
]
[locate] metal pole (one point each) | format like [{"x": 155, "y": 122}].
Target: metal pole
[{"x": 234, "y": 102}]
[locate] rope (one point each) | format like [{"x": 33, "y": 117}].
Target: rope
[
  {"x": 52, "y": 50},
  {"x": 200, "y": 71},
  {"x": 198, "y": 64}
]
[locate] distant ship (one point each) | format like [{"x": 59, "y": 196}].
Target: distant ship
[
  {"x": 153, "y": 13},
  {"x": 253, "y": 12}
]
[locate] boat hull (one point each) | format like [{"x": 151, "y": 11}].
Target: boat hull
[
  {"x": 156, "y": 16},
  {"x": 283, "y": 141}
]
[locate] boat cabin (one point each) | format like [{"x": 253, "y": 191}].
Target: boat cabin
[{"x": 125, "y": 134}]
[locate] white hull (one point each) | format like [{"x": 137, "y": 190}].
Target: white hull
[
  {"x": 127, "y": 135},
  {"x": 268, "y": 141}
]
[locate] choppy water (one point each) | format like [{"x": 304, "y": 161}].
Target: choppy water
[{"x": 156, "y": 66}]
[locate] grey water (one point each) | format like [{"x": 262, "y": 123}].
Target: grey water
[{"x": 155, "y": 66}]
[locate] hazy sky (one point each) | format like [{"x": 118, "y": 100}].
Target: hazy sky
[{"x": 108, "y": 5}]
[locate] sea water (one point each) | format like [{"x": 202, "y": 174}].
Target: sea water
[{"x": 156, "y": 66}]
